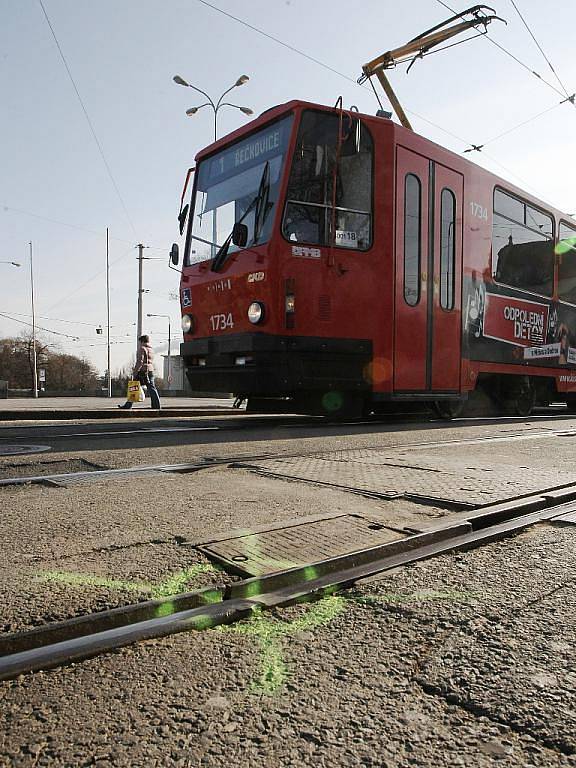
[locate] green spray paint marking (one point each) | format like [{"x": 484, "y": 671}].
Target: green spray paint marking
[
  {"x": 173, "y": 585},
  {"x": 269, "y": 631},
  {"x": 88, "y": 580}
]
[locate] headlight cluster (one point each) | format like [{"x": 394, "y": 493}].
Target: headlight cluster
[
  {"x": 187, "y": 323},
  {"x": 256, "y": 312}
]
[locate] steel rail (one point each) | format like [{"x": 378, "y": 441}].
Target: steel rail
[
  {"x": 237, "y": 461},
  {"x": 88, "y": 636}
]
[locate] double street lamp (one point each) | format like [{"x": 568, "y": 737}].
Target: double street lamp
[
  {"x": 34, "y": 359},
  {"x": 215, "y": 106},
  {"x": 149, "y": 314}
]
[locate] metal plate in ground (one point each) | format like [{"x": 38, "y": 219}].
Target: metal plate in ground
[
  {"x": 75, "y": 478},
  {"x": 568, "y": 519},
  {"x": 255, "y": 554},
  {"x": 17, "y": 450},
  {"x": 434, "y": 476}
]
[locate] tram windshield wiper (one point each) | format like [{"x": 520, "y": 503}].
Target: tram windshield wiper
[{"x": 261, "y": 205}]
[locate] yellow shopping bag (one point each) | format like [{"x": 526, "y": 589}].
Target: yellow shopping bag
[{"x": 135, "y": 393}]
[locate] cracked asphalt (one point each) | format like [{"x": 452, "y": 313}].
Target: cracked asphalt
[{"x": 466, "y": 659}]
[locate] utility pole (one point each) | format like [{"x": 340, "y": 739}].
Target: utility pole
[
  {"x": 140, "y": 292},
  {"x": 34, "y": 361},
  {"x": 108, "y": 310}
]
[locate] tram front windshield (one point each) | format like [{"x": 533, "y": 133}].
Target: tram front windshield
[{"x": 228, "y": 185}]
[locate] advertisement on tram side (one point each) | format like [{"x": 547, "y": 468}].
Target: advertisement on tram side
[{"x": 504, "y": 326}]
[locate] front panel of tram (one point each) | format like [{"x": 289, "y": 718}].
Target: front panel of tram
[
  {"x": 327, "y": 236},
  {"x": 227, "y": 287}
]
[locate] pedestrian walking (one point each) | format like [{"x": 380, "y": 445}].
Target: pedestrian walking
[{"x": 144, "y": 373}]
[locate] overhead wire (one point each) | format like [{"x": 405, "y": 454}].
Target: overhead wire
[
  {"x": 525, "y": 122},
  {"x": 88, "y": 120},
  {"x": 564, "y": 92},
  {"x": 10, "y": 209},
  {"x": 540, "y": 49},
  {"x": 72, "y": 322},
  {"x": 511, "y": 55},
  {"x": 277, "y": 40},
  {"x": 38, "y": 327},
  {"x": 346, "y": 77},
  {"x": 90, "y": 279}
]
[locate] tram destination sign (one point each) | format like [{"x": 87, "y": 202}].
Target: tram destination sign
[{"x": 248, "y": 153}]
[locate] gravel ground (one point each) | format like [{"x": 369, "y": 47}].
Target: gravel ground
[
  {"x": 125, "y": 532},
  {"x": 463, "y": 660},
  {"x": 413, "y": 670}
]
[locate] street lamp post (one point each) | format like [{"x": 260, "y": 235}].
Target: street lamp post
[
  {"x": 34, "y": 360},
  {"x": 215, "y": 106},
  {"x": 169, "y": 344}
]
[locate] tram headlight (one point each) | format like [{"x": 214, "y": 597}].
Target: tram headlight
[
  {"x": 187, "y": 323},
  {"x": 256, "y": 312}
]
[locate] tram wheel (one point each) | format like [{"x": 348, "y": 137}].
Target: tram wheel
[
  {"x": 449, "y": 409},
  {"x": 525, "y": 398}
]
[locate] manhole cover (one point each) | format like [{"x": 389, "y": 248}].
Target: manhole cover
[
  {"x": 16, "y": 450},
  {"x": 255, "y": 554},
  {"x": 435, "y": 477}
]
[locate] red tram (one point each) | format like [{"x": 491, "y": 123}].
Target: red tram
[{"x": 358, "y": 264}]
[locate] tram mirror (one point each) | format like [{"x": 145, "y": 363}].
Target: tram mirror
[
  {"x": 240, "y": 235},
  {"x": 174, "y": 254},
  {"x": 182, "y": 217}
]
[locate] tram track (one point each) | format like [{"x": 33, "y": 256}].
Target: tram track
[
  {"x": 210, "y": 462},
  {"x": 86, "y": 636},
  {"x": 245, "y": 422}
]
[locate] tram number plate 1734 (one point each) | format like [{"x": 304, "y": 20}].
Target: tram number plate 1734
[{"x": 221, "y": 322}]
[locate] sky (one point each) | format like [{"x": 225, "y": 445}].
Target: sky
[{"x": 67, "y": 171}]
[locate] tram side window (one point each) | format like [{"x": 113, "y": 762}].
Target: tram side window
[
  {"x": 412, "y": 238},
  {"x": 522, "y": 245},
  {"x": 447, "y": 248},
  {"x": 566, "y": 251},
  {"x": 323, "y": 172}
]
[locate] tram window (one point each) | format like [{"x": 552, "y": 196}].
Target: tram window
[
  {"x": 566, "y": 251},
  {"x": 522, "y": 245},
  {"x": 447, "y": 248},
  {"x": 508, "y": 206},
  {"x": 315, "y": 182},
  {"x": 538, "y": 220},
  {"x": 412, "y": 238}
]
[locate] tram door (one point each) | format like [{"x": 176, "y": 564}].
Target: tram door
[{"x": 427, "y": 318}]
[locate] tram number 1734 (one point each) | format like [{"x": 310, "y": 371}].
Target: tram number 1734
[{"x": 221, "y": 322}]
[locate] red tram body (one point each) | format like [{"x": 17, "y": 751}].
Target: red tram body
[{"x": 366, "y": 265}]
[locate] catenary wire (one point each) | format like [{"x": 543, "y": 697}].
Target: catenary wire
[
  {"x": 20, "y": 211},
  {"x": 540, "y": 49},
  {"x": 511, "y": 55},
  {"x": 46, "y": 330},
  {"x": 346, "y": 77},
  {"x": 89, "y": 280},
  {"x": 70, "y": 322},
  {"x": 89, "y": 121},
  {"x": 525, "y": 122}
]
